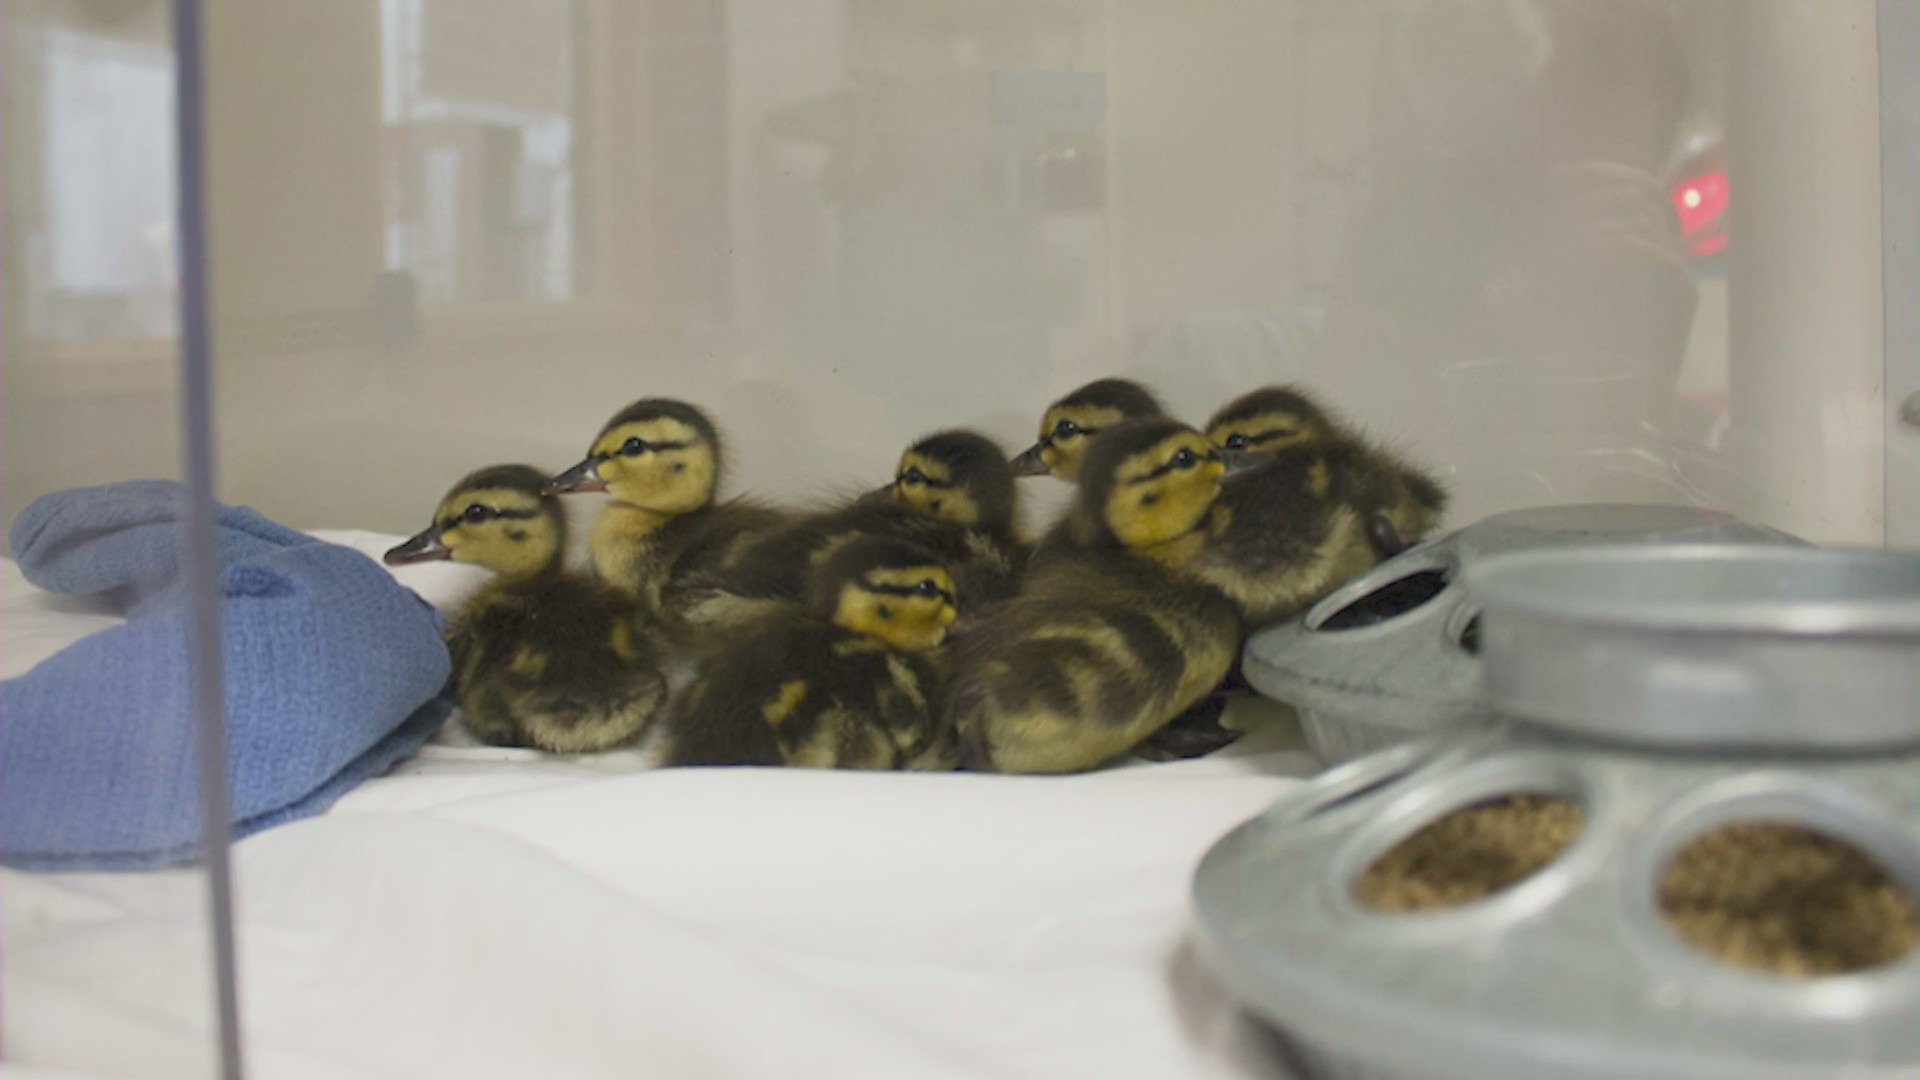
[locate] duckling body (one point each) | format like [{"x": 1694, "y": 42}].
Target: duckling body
[
  {"x": 659, "y": 461},
  {"x": 1398, "y": 502},
  {"x": 841, "y": 681},
  {"x": 1107, "y": 641},
  {"x": 952, "y": 495},
  {"x": 541, "y": 657}
]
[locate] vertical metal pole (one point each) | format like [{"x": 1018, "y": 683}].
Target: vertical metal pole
[{"x": 202, "y": 561}]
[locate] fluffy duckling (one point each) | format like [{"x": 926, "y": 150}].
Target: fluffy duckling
[
  {"x": 842, "y": 681},
  {"x": 963, "y": 480},
  {"x": 1108, "y": 642},
  {"x": 1401, "y": 504},
  {"x": 1069, "y": 425},
  {"x": 659, "y": 461},
  {"x": 953, "y": 493},
  {"x": 541, "y": 657}
]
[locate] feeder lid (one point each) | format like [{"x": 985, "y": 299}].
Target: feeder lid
[{"x": 1711, "y": 645}]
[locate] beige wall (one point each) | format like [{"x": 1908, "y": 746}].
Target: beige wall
[{"x": 801, "y": 215}]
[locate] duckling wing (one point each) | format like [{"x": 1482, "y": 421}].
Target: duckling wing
[
  {"x": 1080, "y": 669},
  {"x": 1286, "y": 533}
]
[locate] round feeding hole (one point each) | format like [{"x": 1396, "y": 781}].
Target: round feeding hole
[
  {"x": 1469, "y": 638},
  {"x": 1470, "y": 854},
  {"x": 1388, "y": 601},
  {"x": 1787, "y": 900}
]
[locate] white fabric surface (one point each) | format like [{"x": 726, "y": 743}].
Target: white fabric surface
[{"x": 485, "y": 913}]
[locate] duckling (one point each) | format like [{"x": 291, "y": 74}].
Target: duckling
[
  {"x": 541, "y": 657},
  {"x": 1400, "y": 502},
  {"x": 953, "y": 493},
  {"x": 1108, "y": 642},
  {"x": 659, "y": 460},
  {"x": 1070, "y": 424},
  {"x": 841, "y": 681}
]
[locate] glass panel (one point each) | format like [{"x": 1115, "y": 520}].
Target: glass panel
[
  {"x": 1553, "y": 250},
  {"x": 477, "y": 99},
  {"x": 106, "y": 959},
  {"x": 91, "y": 167}
]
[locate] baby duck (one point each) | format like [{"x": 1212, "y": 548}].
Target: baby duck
[
  {"x": 1070, "y": 424},
  {"x": 953, "y": 494},
  {"x": 1400, "y": 503},
  {"x": 963, "y": 480},
  {"x": 541, "y": 657},
  {"x": 659, "y": 461},
  {"x": 1108, "y": 642},
  {"x": 841, "y": 681}
]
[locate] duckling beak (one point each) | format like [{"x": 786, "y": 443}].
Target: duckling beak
[
  {"x": 582, "y": 477},
  {"x": 1242, "y": 460},
  {"x": 1030, "y": 463},
  {"x": 424, "y": 546}
]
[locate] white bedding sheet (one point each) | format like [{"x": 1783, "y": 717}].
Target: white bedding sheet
[{"x": 486, "y": 913}]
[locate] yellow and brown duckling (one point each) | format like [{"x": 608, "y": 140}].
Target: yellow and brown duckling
[
  {"x": 1108, "y": 641},
  {"x": 541, "y": 657},
  {"x": 841, "y": 681},
  {"x": 1399, "y": 502},
  {"x": 1070, "y": 424},
  {"x": 659, "y": 461},
  {"x": 953, "y": 493}
]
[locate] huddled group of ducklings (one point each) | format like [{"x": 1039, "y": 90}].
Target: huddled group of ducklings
[{"x": 912, "y": 627}]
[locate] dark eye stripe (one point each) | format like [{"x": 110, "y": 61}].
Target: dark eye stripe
[
  {"x": 655, "y": 446},
  {"x": 1170, "y": 467},
  {"x": 908, "y": 591},
  {"x": 942, "y": 485},
  {"x": 515, "y": 515}
]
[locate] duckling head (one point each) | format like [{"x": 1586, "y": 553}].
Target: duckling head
[
  {"x": 498, "y": 517},
  {"x": 658, "y": 454},
  {"x": 1269, "y": 419},
  {"x": 1070, "y": 424},
  {"x": 886, "y": 589},
  {"x": 1149, "y": 482},
  {"x": 958, "y": 476}
]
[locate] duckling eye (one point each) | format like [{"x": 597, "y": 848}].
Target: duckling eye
[
  {"x": 926, "y": 588},
  {"x": 633, "y": 447},
  {"x": 913, "y": 476},
  {"x": 1184, "y": 458},
  {"x": 1237, "y": 442},
  {"x": 1065, "y": 429},
  {"x": 476, "y": 514}
]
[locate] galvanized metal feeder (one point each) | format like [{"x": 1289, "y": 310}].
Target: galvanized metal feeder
[
  {"x": 1392, "y": 655},
  {"x": 1667, "y": 692}
]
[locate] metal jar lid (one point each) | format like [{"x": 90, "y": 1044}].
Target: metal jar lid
[
  {"x": 1361, "y": 684},
  {"x": 1706, "y": 645}
]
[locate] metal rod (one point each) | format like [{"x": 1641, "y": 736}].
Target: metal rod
[{"x": 201, "y": 556}]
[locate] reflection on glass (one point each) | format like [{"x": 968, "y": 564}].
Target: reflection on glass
[
  {"x": 96, "y": 192},
  {"x": 477, "y": 101}
]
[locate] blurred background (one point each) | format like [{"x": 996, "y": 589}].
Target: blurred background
[{"x": 1563, "y": 250}]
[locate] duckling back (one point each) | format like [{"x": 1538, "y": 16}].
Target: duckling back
[
  {"x": 1095, "y": 655},
  {"x": 559, "y": 662},
  {"x": 799, "y": 692},
  {"x": 777, "y": 565},
  {"x": 1289, "y": 531}
]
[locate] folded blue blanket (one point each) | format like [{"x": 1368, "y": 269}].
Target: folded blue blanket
[{"x": 333, "y": 673}]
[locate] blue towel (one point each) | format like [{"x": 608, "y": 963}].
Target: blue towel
[{"x": 333, "y": 673}]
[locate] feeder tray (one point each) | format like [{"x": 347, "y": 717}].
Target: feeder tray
[
  {"x": 1392, "y": 654},
  {"x": 1699, "y": 863}
]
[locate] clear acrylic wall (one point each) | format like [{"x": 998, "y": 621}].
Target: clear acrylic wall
[
  {"x": 446, "y": 234},
  {"x": 1562, "y": 249}
]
